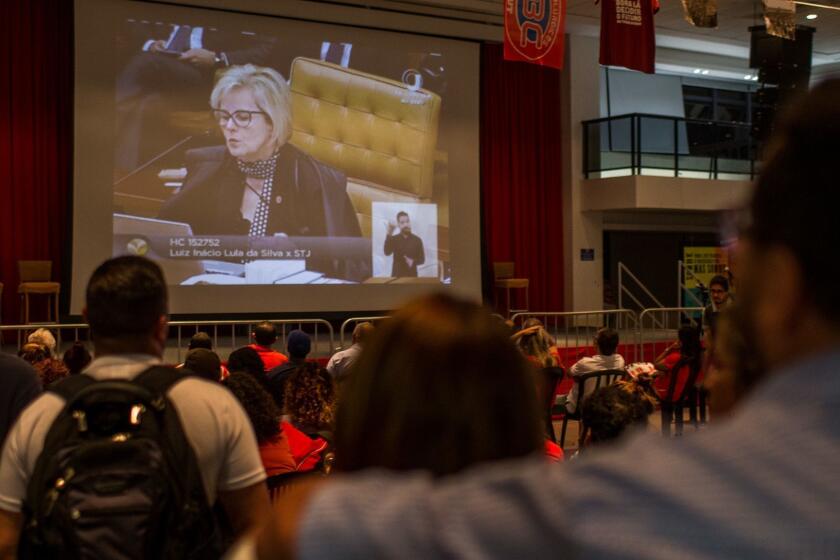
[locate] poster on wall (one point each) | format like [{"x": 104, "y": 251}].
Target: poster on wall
[{"x": 700, "y": 265}]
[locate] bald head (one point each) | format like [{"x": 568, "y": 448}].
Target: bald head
[{"x": 362, "y": 333}]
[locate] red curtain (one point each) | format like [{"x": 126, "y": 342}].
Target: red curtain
[
  {"x": 36, "y": 104},
  {"x": 521, "y": 183}
]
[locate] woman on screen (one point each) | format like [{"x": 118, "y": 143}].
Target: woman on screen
[{"x": 257, "y": 184}]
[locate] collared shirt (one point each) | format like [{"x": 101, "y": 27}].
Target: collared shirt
[
  {"x": 214, "y": 424},
  {"x": 764, "y": 484},
  {"x": 341, "y": 361}
]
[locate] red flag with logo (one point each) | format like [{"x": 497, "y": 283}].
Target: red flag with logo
[
  {"x": 627, "y": 34},
  {"x": 534, "y": 31}
]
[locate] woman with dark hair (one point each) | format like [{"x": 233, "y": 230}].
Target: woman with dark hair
[
  {"x": 684, "y": 359},
  {"x": 265, "y": 418},
  {"x": 77, "y": 358},
  {"x": 438, "y": 387}
]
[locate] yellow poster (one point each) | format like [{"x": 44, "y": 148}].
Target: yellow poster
[{"x": 700, "y": 265}]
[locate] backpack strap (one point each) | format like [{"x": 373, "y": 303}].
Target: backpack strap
[
  {"x": 70, "y": 386},
  {"x": 159, "y": 379}
]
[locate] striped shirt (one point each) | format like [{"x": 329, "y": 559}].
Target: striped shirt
[{"x": 763, "y": 484}]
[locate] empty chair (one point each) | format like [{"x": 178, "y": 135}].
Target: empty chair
[{"x": 36, "y": 279}]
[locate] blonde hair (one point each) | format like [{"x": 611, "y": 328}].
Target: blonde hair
[
  {"x": 44, "y": 338},
  {"x": 271, "y": 93}
]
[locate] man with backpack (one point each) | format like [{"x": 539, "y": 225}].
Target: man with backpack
[{"x": 127, "y": 459}]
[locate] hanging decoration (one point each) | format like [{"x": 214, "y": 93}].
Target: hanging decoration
[
  {"x": 627, "y": 34},
  {"x": 535, "y": 31},
  {"x": 701, "y": 13},
  {"x": 780, "y": 18}
]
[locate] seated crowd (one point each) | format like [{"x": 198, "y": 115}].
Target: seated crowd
[{"x": 438, "y": 422}]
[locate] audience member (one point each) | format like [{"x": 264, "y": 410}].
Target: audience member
[
  {"x": 439, "y": 387},
  {"x": 126, "y": 308},
  {"x": 734, "y": 369},
  {"x": 341, "y": 362},
  {"x": 51, "y": 370},
  {"x": 265, "y": 335},
  {"x": 537, "y": 345},
  {"x": 43, "y": 337},
  {"x": 265, "y": 418},
  {"x": 608, "y": 411},
  {"x": 298, "y": 346},
  {"x": 606, "y": 358},
  {"x": 719, "y": 292},
  {"x": 760, "y": 484},
  {"x": 246, "y": 360},
  {"x": 77, "y": 358},
  {"x": 310, "y": 400},
  {"x": 204, "y": 363},
  {"x": 200, "y": 340},
  {"x": 32, "y": 353},
  {"x": 680, "y": 364},
  {"x": 19, "y": 385}
]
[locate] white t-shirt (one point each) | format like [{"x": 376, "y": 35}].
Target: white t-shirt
[
  {"x": 341, "y": 361},
  {"x": 214, "y": 423},
  {"x": 588, "y": 365}
]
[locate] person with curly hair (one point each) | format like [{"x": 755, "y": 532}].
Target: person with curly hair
[
  {"x": 265, "y": 418},
  {"x": 32, "y": 353},
  {"x": 310, "y": 399}
]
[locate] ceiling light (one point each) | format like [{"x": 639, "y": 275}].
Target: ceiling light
[
  {"x": 755, "y": 78},
  {"x": 811, "y": 16},
  {"x": 705, "y": 72},
  {"x": 696, "y": 70},
  {"x": 748, "y": 77}
]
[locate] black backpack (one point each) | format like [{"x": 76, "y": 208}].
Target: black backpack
[{"x": 117, "y": 478}]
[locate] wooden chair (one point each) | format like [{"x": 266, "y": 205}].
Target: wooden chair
[
  {"x": 600, "y": 379},
  {"x": 503, "y": 279},
  {"x": 35, "y": 279}
]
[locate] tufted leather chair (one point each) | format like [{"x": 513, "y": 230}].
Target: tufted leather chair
[{"x": 378, "y": 131}]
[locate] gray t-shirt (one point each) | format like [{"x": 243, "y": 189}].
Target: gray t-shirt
[{"x": 214, "y": 423}]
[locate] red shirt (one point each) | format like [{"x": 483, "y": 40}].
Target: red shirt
[
  {"x": 663, "y": 382},
  {"x": 270, "y": 358},
  {"x": 306, "y": 451},
  {"x": 277, "y": 456},
  {"x": 627, "y": 34},
  {"x": 553, "y": 452}
]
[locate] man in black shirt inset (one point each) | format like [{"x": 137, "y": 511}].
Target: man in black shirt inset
[{"x": 406, "y": 247}]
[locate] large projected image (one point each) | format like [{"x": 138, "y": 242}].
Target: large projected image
[{"x": 245, "y": 157}]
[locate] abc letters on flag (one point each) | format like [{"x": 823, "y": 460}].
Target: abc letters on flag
[
  {"x": 627, "y": 35},
  {"x": 534, "y": 31}
]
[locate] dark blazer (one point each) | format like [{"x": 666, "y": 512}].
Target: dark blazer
[{"x": 308, "y": 199}]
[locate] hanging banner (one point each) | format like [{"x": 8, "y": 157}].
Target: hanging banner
[
  {"x": 780, "y": 18},
  {"x": 627, "y": 34},
  {"x": 701, "y": 13},
  {"x": 534, "y": 31}
]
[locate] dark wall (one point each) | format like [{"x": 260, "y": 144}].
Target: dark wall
[{"x": 652, "y": 257}]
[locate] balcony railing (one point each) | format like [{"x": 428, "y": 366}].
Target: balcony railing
[{"x": 641, "y": 144}]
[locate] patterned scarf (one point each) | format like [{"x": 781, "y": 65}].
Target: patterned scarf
[{"x": 260, "y": 170}]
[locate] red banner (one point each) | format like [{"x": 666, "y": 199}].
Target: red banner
[
  {"x": 534, "y": 31},
  {"x": 627, "y": 34}
]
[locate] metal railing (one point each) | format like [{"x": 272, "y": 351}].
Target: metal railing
[
  {"x": 644, "y": 144},
  {"x": 683, "y": 292},
  {"x": 345, "y": 326},
  {"x": 660, "y": 325},
  {"x": 227, "y": 335},
  {"x": 576, "y": 329},
  {"x": 624, "y": 289}
]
